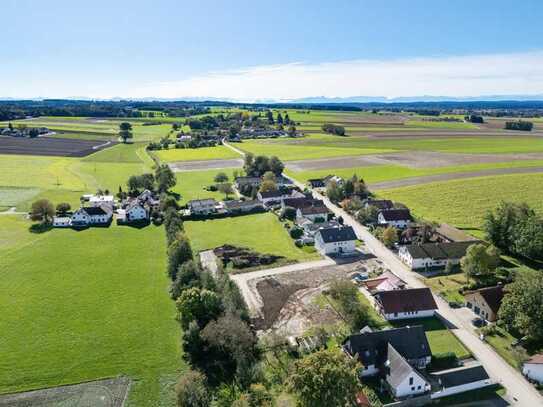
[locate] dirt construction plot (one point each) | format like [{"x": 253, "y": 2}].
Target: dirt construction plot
[
  {"x": 412, "y": 159},
  {"x": 51, "y": 146},
  {"x": 100, "y": 393},
  {"x": 182, "y": 166}
]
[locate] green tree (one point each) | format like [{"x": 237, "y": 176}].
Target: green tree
[
  {"x": 390, "y": 236},
  {"x": 269, "y": 176},
  {"x": 199, "y": 305},
  {"x": 192, "y": 390},
  {"x": 479, "y": 261},
  {"x": 287, "y": 119},
  {"x": 221, "y": 177},
  {"x": 269, "y": 116},
  {"x": 528, "y": 238},
  {"x": 125, "y": 131},
  {"x": 268, "y": 186},
  {"x": 276, "y": 166},
  {"x": 165, "y": 178},
  {"x": 63, "y": 208},
  {"x": 279, "y": 118},
  {"x": 334, "y": 192},
  {"x": 226, "y": 189},
  {"x": 188, "y": 276},
  {"x": 325, "y": 378},
  {"x": 179, "y": 252},
  {"x": 42, "y": 210},
  {"x": 521, "y": 310}
]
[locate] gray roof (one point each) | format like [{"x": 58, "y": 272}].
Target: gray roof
[
  {"x": 237, "y": 204},
  {"x": 372, "y": 347},
  {"x": 462, "y": 375},
  {"x": 339, "y": 234},
  {"x": 398, "y": 368},
  {"x": 436, "y": 251},
  {"x": 396, "y": 214}
]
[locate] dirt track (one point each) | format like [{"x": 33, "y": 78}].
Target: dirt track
[
  {"x": 452, "y": 176},
  {"x": 51, "y": 146}
]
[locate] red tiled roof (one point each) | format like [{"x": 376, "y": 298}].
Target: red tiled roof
[
  {"x": 536, "y": 359},
  {"x": 407, "y": 300}
]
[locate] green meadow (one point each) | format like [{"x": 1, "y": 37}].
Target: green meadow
[
  {"x": 261, "y": 232},
  {"x": 463, "y": 203},
  {"x": 191, "y": 184},
  {"x": 95, "y": 305},
  {"x": 195, "y": 154}
]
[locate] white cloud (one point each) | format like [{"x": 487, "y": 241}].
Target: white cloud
[{"x": 479, "y": 75}]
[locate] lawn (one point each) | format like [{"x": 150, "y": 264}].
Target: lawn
[
  {"x": 448, "y": 286},
  {"x": 441, "y": 340},
  {"x": 196, "y": 154},
  {"x": 190, "y": 184},
  {"x": 261, "y": 232},
  {"x": 501, "y": 342},
  {"x": 463, "y": 203},
  {"x": 90, "y": 310},
  {"x": 12, "y": 196}
]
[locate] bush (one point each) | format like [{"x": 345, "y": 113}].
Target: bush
[
  {"x": 444, "y": 360},
  {"x": 296, "y": 233}
]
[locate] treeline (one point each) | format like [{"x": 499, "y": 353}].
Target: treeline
[
  {"x": 521, "y": 125},
  {"x": 516, "y": 229},
  {"x": 217, "y": 339},
  {"x": 474, "y": 118},
  {"x": 333, "y": 129}
]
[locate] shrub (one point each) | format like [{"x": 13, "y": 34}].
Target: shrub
[
  {"x": 296, "y": 233},
  {"x": 444, "y": 360}
]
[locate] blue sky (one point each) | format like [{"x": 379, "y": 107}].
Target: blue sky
[{"x": 167, "y": 48}]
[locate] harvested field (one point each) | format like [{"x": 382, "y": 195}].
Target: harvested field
[
  {"x": 51, "y": 146},
  {"x": 182, "y": 166},
  {"x": 100, "y": 393},
  {"x": 411, "y": 159}
]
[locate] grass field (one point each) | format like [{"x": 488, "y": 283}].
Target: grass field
[
  {"x": 292, "y": 151},
  {"x": 448, "y": 286},
  {"x": 380, "y": 173},
  {"x": 261, "y": 232},
  {"x": 191, "y": 184},
  {"x": 464, "y": 202},
  {"x": 90, "y": 310},
  {"x": 441, "y": 340},
  {"x": 440, "y": 124},
  {"x": 195, "y": 154}
]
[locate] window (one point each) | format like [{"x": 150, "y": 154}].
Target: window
[
  {"x": 413, "y": 388},
  {"x": 411, "y": 382},
  {"x": 418, "y": 387}
]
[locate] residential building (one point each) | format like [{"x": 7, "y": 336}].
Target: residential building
[
  {"x": 135, "y": 212},
  {"x": 403, "y": 379},
  {"x": 336, "y": 240},
  {"x": 448, "y": 233},
  {"x": 62, "y": 221},
  {"x": 459, "y": 380},
  {"x": 92, "y": 215},
  {"x": 99, "y": 200},
  {"x": 406, "y": 304},
  {"x": 270, "y": 198},
  {"x": 238, "y": 206},
  {"x": 301, "y": 202},
  {"x": 202, "y": 206},
  {"x": 533, "y": 368},
  {"x": 243, "y": 182},
  {"x": 283, "y": 181},
  {"x": 329, "y": 178},
  {"x": 387, "y": 281},
  {"x": 381, "y": 204},
  {"x": 312, "y": 213},
  {"x": 310, "y": 229},
  {"x": 433, "y": 255},
  {"x": 371, "y": 348},
  {"x": 399, "y": 218},
  {"x": 485, "y": 302}
]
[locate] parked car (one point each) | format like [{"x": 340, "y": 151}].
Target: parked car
[
  {"x": 358, "y": 278},
  {"x": 478, "y": 322}
]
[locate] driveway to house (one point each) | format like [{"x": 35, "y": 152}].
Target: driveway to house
[
  {"x": 519, "y": 391},
  {"x": 254, "y": 302}
]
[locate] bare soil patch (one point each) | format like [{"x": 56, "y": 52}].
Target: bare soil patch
[
  {"x": 51, "y": 146},
  {"x": 100, "y": 393},
  {"x": 182, "y": 166}
]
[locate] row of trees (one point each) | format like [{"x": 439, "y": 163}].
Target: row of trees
[
  {"x": 161, "y": 181},
  {"x": 515, "y": 229},
  {"x": 519, "y": 125}
]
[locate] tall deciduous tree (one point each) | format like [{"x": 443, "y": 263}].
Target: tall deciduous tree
[
  {"x": 125, "y": 131},
  {"x": 179, "y": 252},
  {"x": 165, "y": 178},
  {"x": 42, "y": 210},
  {"x": 199, "y": 305},
  {"x": 325, "y": 378}
]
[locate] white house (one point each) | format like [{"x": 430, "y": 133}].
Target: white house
[
  {"x": 373, "y": 350},
  {"x": 336, "y": 240},
  {"x": 272, "y": 197},
  {"x": 312, "y": 213},
  {"x": 405, "y": 304},
  {"x": 136, "y": 212},
  {"x": 399, "y": 218},
  {"x": 459, "y": 380},
  {"x": 533, "y": 368},
  {"x": 202, "y": 206},
  {"x": 99, "y": 200},
  {"x": 433, "y": 255},
  {"x": 403, "y": 379},
  {"x": 92, "y": 215},
  {"x": 62, "y": 222},
  {"x": 239, "y": 206}
]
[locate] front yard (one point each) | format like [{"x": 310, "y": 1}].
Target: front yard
[{"x": 448, "y": 286}]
